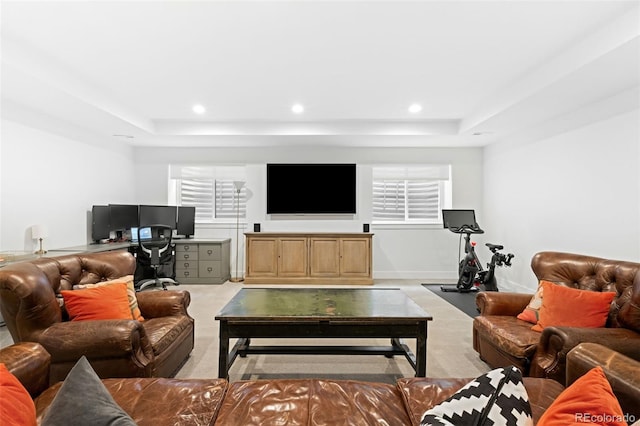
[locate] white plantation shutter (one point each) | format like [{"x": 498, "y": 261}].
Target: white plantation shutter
[
  {"x": 226, "y": 199},
  {"x": 210, "y": 190},
  {"x": 408, "y": 194}
]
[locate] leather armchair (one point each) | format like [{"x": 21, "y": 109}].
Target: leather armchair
[
  {"x": 156, "y": 347},
  {"x": 501, "y": 339}
]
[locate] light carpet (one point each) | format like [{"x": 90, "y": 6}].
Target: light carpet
[{"x": 449, "y": 348}]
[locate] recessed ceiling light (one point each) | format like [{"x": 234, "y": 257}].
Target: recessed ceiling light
[
  {"x": 199, "y": 109},
  {"x": 415, "y": 108},
  {"x": 297, "y": 108}
]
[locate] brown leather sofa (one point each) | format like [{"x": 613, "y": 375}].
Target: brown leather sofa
[
  {"x": 501, "y": 339},
  {"x": 156, "y": 347},
  {"x": 166, "y": 401}
]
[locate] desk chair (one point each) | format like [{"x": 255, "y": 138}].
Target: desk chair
[{"x": 155, "y": 251}]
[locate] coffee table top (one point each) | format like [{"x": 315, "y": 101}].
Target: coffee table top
[{"x": 313, "y": 304}]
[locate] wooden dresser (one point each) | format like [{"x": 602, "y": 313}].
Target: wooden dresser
[{"x": 308, "y": 258}]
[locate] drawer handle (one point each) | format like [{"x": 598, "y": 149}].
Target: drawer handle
[
  {"x": 186, "y": 264},
  {"x": 186, "y": 248},
  {"x": 186, "y": 256},
  {"x": 209, "y": 252},
  {"x": 209, "y": 269},
  {"x": 186, "y": 273}
]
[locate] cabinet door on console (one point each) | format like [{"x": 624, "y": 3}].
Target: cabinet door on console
[
  {"x": 262, "y": 257},
  {"x": 324, "y": 257},
  {"x": 355, "y": 259},
  {"x": 292, "y": 257}
]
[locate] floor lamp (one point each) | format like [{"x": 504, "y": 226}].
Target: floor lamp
[{"x": 238, "y": 184}]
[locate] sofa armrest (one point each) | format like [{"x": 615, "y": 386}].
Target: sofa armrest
[
  {"x": 555, "y": 343},
  {"x": 621, "y": 372},
  {"x": 156, "y": 304},
  {"x": 69, "y": 341},
  {"x": 499, "y": 303},
  {"x": 29, "y": 362}
]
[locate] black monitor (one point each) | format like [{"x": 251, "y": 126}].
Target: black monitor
[
  {"x": 100, "y": 223},
  {"x": 158, "y": 215},
  {"x": 458, "y": 218},
  {"x": 123, "y": 216},
  {"x": 186, "y": 221}
]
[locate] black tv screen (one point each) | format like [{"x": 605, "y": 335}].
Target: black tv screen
[
  {"x": 158, "y": 215},
  {"x": 311, "y": 188}
]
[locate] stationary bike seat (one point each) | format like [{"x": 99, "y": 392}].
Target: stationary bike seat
[{"x": 494, "y": 247}]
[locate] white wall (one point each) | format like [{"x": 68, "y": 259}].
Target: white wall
[
  {"x": 53, "y": 180},
  {"x": 398, "y": 252},
  {"x": 577, "y": 191}
]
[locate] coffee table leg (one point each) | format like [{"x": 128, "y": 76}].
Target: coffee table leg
[
  {"x": 223, "y": 356},
  {"x": 421, "y": 350}
]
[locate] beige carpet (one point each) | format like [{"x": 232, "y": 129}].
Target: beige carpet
[{"x": 449, "y": 348}]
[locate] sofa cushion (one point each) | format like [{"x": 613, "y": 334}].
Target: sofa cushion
[
  {"x": 311, "y": 402},
  {"x": 83, "y": 400},
  {"x": 107, "y": 302},
  {"x": 496, "y": 397},
  {"x": 512, "y": 335},
  {"x": 565, "y": 306},
  {"x": 589, "y": 399},
  {"x": 16, "y": 406}
]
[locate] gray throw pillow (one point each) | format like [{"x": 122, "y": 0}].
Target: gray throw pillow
[{"x": 83, "y": 400}]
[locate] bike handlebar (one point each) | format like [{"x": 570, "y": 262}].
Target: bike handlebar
[{"x": 466, "y": 229}]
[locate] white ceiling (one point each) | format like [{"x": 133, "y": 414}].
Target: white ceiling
[{"x": 500, "y": 68}]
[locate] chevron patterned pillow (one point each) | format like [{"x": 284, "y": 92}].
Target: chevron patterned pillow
[{"x": 495, "y": 398}]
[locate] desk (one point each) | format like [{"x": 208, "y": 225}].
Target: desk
[{"x": 95, "y": 248}]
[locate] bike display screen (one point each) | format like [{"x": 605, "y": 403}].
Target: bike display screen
[{"x": 458, "y": 218}]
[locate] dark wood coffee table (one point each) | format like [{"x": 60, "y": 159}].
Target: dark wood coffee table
[{"x": 322, "y": 313}]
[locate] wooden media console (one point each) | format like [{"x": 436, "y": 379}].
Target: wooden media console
[{"x": 308, "y": 258}]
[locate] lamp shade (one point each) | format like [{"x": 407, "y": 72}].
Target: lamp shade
[
  {"x": 38, "y": 231},
  {"x": 238, "y": 184}
]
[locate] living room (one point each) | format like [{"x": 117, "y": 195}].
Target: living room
[{"x": 535, "y": 108}]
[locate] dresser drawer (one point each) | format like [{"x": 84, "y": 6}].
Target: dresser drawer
[
  {"x": 193, "y": 248},
  {"x": 186, "y": 264},
  {"x": 186, "y": 255},
  {"x": 209, "y": 268},
  {"x": 209, "y": 252},
  {"x": 186, "y": 273}
]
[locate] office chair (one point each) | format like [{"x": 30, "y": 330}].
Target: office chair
[{"x": 155, "y": 252}]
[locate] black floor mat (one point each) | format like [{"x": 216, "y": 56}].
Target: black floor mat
[{"x": 466, "y": 302}]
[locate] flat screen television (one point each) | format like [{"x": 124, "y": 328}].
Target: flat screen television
[
  {"x": 123, "y": 216},
  {"x": 312, "y": 188},
  {"x": 158, "y": 215},
  {"x": 186, "y": 221},
  {"x": 100, "y": 226}
]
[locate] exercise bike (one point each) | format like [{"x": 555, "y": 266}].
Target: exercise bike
[{"x": 471, "y": 275}]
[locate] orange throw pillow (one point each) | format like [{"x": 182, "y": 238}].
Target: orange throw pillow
[
  {"x": 532, "y": 312},
  {"x": 16, "y": 405},
  {"x": 589, "y": 400},
  {"x": 570, "y": 307},
  {"x": 131, "y": 293},
  {"x": 99, "y": 303}
]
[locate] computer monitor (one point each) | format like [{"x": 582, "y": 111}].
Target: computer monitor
[
  {"x": 458, "y": 218},
  {"x": 186, "y": 221},
  {"x": 123, "y": 216},
  {"x": 144, "y": 233},
  {"x": 158, "y": 215},
  {"x": 100, "y": 223}
]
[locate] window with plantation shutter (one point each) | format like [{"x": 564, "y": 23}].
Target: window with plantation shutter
[
  {"x": 211, "y": 191},
  {"x": 411, "y": 194}
]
